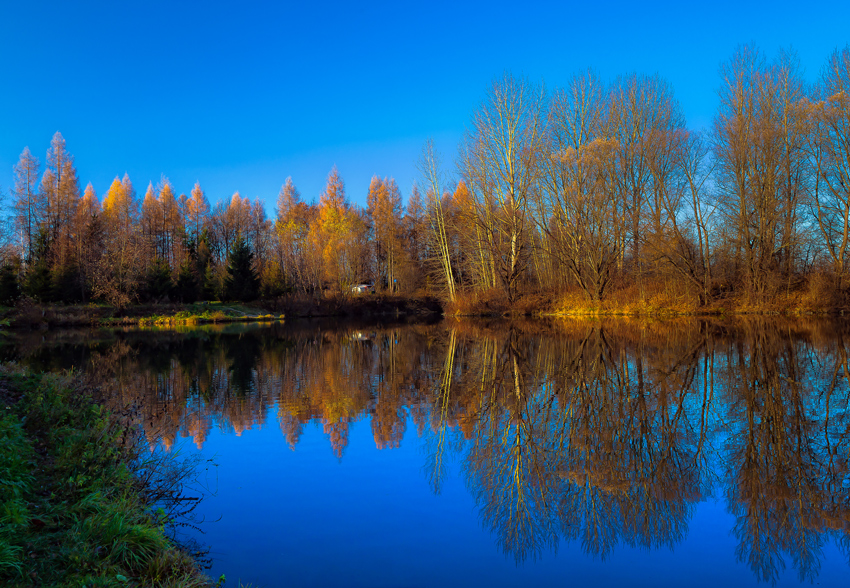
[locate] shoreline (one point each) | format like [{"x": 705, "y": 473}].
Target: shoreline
[
  {"x": 34, "y": 316},
  {"x": 73, "y": 509}
]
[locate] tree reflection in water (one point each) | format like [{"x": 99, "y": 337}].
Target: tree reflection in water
[{"x": 598, "y": 432}]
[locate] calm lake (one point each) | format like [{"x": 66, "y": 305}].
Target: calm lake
[{"x": 584, "y": 453}]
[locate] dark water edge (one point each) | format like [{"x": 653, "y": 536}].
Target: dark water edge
[{"x": 616, "y": 452}]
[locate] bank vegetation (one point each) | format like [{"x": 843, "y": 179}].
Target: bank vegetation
[{"x": 81, "y": 501}]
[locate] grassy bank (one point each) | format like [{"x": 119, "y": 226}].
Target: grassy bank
[
  {"x": 658, "y": 299},
  {"x": 653, "y": 299},
  {"x": 28, "y": 315},
  {"x": 196, "y": 314},
  {"x": 72, "y": 511}
]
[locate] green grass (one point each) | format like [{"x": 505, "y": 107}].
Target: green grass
[
  {"x": 71, "y": 508},
  {"x": 16, "y": 484},
  {"x": 197, "y": 314}
]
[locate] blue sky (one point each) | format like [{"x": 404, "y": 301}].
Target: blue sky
[{"x": 241, "y": 95}]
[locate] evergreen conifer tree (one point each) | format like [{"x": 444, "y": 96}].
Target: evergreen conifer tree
[
  {"x": 158, "y": 282},
  {"x": 37, "y": 280},
  {"x": 65, "y": 282},
  {"x": 210, "y": 288},
  {"x": 9, "y": 289},
  {"x": 241, "y": 282},
  {"x": 187, "y": 282}
]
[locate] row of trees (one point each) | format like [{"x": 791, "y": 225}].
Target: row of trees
[
  {"x": 65, "y": 246},
  {"x": 596, "y": 182},
  {"x": 591, "y": 187}
]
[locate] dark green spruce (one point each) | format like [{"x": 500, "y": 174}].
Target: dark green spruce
[{"x": 242, "y": 282}]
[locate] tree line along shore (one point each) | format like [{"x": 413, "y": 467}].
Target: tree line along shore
[{"x": 594, "y": 197}]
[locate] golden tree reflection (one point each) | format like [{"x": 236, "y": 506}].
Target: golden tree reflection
[
  {"x": 603, "y": 433},
  {"x": 787, "y": 451}
]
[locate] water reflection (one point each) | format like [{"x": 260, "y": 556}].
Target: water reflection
[{"x": 603, "y": 433}]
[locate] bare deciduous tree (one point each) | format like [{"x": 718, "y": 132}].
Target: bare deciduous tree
[
  {"x": 501, "y": 164},
  {"x": 27, "y": 202},
  {"x": 829, "y": 150},
  {"x": 429, "y": 167}
]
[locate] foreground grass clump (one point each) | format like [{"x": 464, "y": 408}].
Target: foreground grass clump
[{"x": 71, "y": 508}]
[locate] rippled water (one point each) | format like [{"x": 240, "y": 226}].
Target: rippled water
[{"x": 615, "y": 453}]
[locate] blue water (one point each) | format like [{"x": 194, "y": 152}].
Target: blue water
[
  {"x": 694, "y": 453},
  {"x": 370, "y": 519}
]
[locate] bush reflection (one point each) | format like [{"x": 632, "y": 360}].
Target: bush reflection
[{"x": 603, "y": 433}]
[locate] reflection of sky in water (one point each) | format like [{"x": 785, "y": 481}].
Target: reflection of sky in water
[
  {"x": 608, "y": 420},
  {"x": 370, "y": 519}
]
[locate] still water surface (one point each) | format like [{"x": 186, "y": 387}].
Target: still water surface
[{"x": 615, "y": 453}]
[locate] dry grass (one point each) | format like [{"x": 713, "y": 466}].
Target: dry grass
[
  {"x": 359, "y": 305},
  {"x": 492, "y": 302},
  {"x": 819, "y": 294},
  {"x": 654, "y": 298}
]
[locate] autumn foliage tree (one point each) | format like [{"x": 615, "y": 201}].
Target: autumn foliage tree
[
  {"x": 593, "y": 190},
  {"x": 292, "y": 229},
  {"x": 339, "y": 237},
  {"x": 384, "y": 202},
  {"x": 119, "y": 273},
  {"x": 197, "y": 212},
  {"x": 27, "y": 202}
]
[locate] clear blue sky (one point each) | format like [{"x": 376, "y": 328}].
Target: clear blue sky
[{"x": 241, "y": 95}]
